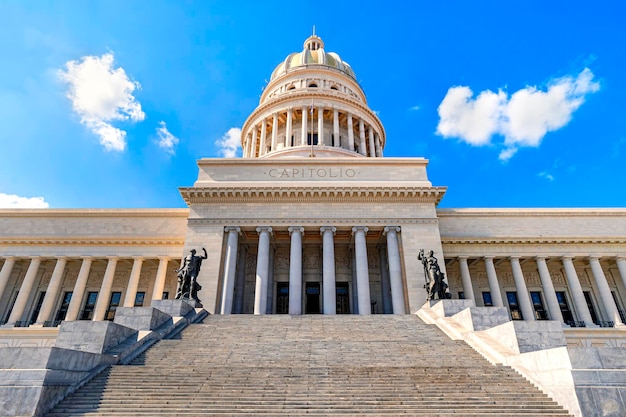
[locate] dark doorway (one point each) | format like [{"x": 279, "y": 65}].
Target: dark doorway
[
  {"x": 282, "y": 298},
  {"x": 312, "y": 298},
  {"x": 343, "y": 299}
]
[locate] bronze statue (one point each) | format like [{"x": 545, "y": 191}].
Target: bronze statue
[
  {"x": 188, "y": 272},
  {"x": 436, "y": 286}
]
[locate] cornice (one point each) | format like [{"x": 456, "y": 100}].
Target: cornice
[
  {"x": 184, "y": 212},
  {"x": 295, "y": 194},
  {"x": 90, "y": 241},
  {"x": 530, "y": 212},
  {"x": 531, "y": 240},
  {"x": 311, "y": 222}
]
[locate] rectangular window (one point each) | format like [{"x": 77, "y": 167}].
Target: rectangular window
[
  {"x": 461, "y": 295},
  {"x": 65, "y": 305},
  {"x": 90, "y": 305},
  {"x": 516, "y": 313},
  {"x": 568, "y": 317},
  {"x": 592, "y": 309},
  {"x": 314, "y": 139},
  {"x": 620, "y": 310},
  {"x": 139, "y": 299},
  {"x": 282, "y": 298},
  {"x": 166, "y": 295},
  {"x": 540, "y": 311},
  {"x": 113, "y": 305},
  {"x": 33, "y": 316},
  {"x": 487, "y": 302}
]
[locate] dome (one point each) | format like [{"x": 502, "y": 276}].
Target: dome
[{"x": 313, "y": 54}]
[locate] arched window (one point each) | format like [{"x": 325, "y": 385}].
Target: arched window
[{"x": 312, "y": 85}]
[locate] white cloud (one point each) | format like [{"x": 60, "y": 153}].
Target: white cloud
[
  {"x": 101, "y": 94},
  {"x": 414, "y": 108},
  {"x": 523, "y": 119},
  {"x": 546, "y": 175},
  {"x": 166, "y": 141},
  {"x": 230, "y": 143},
  {"x": 15, "y": 201}
]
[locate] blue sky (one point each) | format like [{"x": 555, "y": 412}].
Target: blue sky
[{"x": 515, "y": 104}]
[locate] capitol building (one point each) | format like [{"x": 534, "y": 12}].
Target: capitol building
[{"x": 313, "y": 219}]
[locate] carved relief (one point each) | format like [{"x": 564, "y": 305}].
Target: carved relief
[
  {"x": 281, "y": 262},
  {"x": 251, "y": 262},
  {"x": 557, "y": 278},
  {"x": 506, "y": 278},
  {"x": 342, "y": 259},
  {"x": 481, "y": 278},
  {"x": 533, "y": 278},
  {"x": 312, "y": 259},
  {"x": 373, "y": 260}
]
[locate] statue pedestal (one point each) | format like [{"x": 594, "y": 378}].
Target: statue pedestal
[{"x": 176, "y": 308}]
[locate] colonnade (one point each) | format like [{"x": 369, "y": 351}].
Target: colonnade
[
  {"x": 553, "y": 306},
  {"x": 47, "y": 311},
  {"x": 328, "y": 269},
  {"x": 277, "y": 131}
]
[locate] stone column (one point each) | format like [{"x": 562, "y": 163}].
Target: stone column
[
  {"x": 379, "y": 149},
  {"x": 620, "y": 261},
  {"x": 548, "y": 289},
  {"x": 605, "y": 292},
  {"x": 159, "y": 282},
  {"x": 274, "y": 132},
  {"x": 263, "y": 147},
  {"x": 362, "y": 270},
  {"x": 105, "y": 290},
  {"x": 328, "y": 277},
  {"x": 468, "y": 289},
  {"x": 133, "y": 282},
  {"x": 371, "y": 140},
  {"x": 362, "y": 146},
  {"x": 230, "y": 268},
  {"x": 24, "y": 293},
  {"x": 295, "y": 270},
  {"x": 5, "y": 273},
  {"x": 289, "y": 128},
  {"x": 52, "y": 292},
  {"x": 320, "y": 126},
  {"x": 350, "y": 132},
  {"x": 249, "y": 146},
  {"x": 262, "y": 269},
  {"x": 336, "y": 128},
  {"x": 240, "y": 281},
  {"x": 492, "y": 278},
  {"x": 304, "y": 126},
  {"x": 577, "y": 292},
  {"x": 395, "y": 270},
  {"x": 253, "y": 147},
  {"x": 79, "y": 290},
  {"x": 522, "y": 292}
]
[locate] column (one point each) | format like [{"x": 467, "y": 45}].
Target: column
[
  {"x": 263, "y": 147},
  {"x": 253, "y": 146},
  {"x": 274, "y": 132},
  {"x": 240, "y": 281},
  {"x": 295, "y": 270},
  {"x": 492, "y": 278},
  {"x": 289, "y": 128},
  {"x": 362, "y": 146},
  {"x": 304, "y": 126},
  {"x": 548, "y": 289},
  {"x": 620, "y": 261},
  {"x": 371, "y": 140},
  {"x": 230, "y": 268},
  {"x": 24, "y": 293},
  {"x": 336, "y": 128},
  {"x": 5, "y": 273},
  {"x": 362, "y": 270},
  {"x": 379, "y": 149},
  {"x": 328, "y": 265},
  {"x": 468, "y": 289},
  {"x": 105, "y": 290},
  {"x": 350, "y": 132},
  {"x": 522, "y": 292},
  {"x": 320, "y": 126},
  {"x": 133, "y": 282},
  {"x": 395, "y": 270},
  {"x": 262, "y": 269},
  {"x": 52, "y": 292},
  {"x": 577, "y": 292},
  {"x": 159, "y": 282},
  {"x": 605, "y": 292},
  {"x": 79, "y": 290},
  {"x": 385, "y": 284}
]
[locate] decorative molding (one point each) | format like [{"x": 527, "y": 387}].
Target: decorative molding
[
  {"x": 532, "y": 240},
  {"x": 92, "y": 241},
  {"x": 321, "y": 221}
]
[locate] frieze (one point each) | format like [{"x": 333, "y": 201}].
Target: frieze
[
  {"x": 323, "y": 222},
  {"x": 297, "y": 173}
]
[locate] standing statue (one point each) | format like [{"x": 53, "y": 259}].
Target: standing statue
[
  {"x": 436, "y": 286},
  {"x": 188, "y": 272}
]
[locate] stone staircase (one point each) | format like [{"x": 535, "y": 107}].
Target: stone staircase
[{"x": 309, "y": 365}]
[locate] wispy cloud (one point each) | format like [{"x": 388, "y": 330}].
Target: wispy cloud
[
  {"x": 15, "y": 201},
  {"x": 523, "y": 119},
  {"x": 230, "y": 143},
  {"x": 101, "y": 94},
  {"x": 414, "y": 108},
  {"x": 546, "y": 175},
  {"x": 166, "y": 140}
]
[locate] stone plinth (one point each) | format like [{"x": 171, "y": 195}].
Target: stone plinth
[
  {"x": 175, "y": 308},
  {"x": 92, "y": 336},
  {"x": 141, "y": 318}
]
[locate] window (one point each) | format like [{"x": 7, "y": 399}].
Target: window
[
  {"x": 568, "y": 317},
  {"x": 282, "y": 298},
  {"x": 314, "y": 139},
  {"x": 516, "y": 313},
  {"x": 166, "y": 295},
  {"x": 592, "y": 310},
  {"x": 487, "y": 302},
  {"x": 65, "y": 305},
  {"x": 113, "y": 305},
  {"x": 33, "y": 316},
  {"x": 90, "y": 305},
  {"x": 312, "y": 85},
  {"x": 620, "y": 310},
  {"x": 139, "y": 299},
  {"x": 540, "y": 311},
  {"x": 461, "y": 295}
]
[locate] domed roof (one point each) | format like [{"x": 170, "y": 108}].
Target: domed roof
[{"x": 313, "y": 54}]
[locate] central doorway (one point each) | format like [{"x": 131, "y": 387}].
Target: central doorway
[{"x": 312, "y": 300}]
